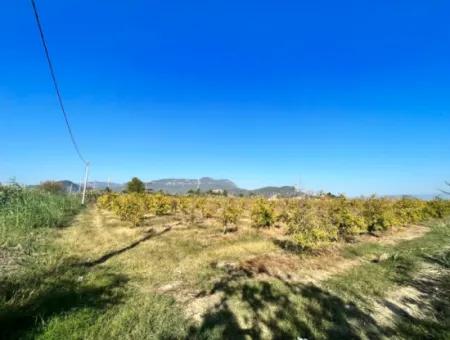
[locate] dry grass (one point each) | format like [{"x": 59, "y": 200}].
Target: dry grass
[
  {"x": 189, "y": 259},
  {"x": 110, "y": 280},
  {"x": 184, "y": 254}
]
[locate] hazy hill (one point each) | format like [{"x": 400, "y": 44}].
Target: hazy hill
[
  {"x": 271, "y": 191},
  {"x": 183, "y": 185},
  {"x": 67, "y": 185},
  {"x": 100, "y": 185}
]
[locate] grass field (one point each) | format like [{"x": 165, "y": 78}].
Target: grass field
[{"x": 98, "y": 277}]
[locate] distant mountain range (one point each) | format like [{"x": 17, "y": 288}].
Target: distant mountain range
[{"x": 183, "y": 185}]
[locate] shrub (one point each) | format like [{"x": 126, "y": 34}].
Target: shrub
[
  {"x": 106, "y": 201},
  {"x": 230, "y": 215},
  {"x": 161, "y": 205},
  {"x": 209, "y": 208},
  {"x": 311, "y": 225},
  {"x": 409, "y": 210},
  {"x": 347, "y": 216},
  {"x": 437, "y": 208},
  {"x": 130, "y": 207},
  {"x": 282, "y": 211},
  {"x": 379, "y": 214},
  {"x": 188, "y": 209},
  {"x": 262, "y": 214}
]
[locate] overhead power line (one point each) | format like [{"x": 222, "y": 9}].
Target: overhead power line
[{"x": 55, "y": 84}]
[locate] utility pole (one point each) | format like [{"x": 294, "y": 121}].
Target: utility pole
[
  {"x": 298, "y": 186},
  {"x": 86, "y": 175}
]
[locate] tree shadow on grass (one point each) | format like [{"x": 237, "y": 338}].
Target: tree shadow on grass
[
  {"x": 30, "y": 299},
  {"x": 116, "y": 252},
  {"x": 288, "y": 245},
  {"x": 277, "y": 309},
  {"x": 434, "y": 299}
]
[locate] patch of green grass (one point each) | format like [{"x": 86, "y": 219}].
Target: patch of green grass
[
  {"x": 363, "y": 249},
  {"x": 55, "y": 296},
  {"x": 38, "y": 293},
  {"x": 403, "y": 260},
  {"x": 64, "y": 299},
  {"x": 26, "y": 213},
  {"x": 150, "y": 316}
]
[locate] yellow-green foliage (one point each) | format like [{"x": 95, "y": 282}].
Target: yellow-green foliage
[
  {"x": 105, "y": 201},
  {"x": 129, "y": 207},
  {"x": 437, "y": 208},
  {"x": 162, "y": 205},
  {"x": 409, "y": 210},
  {"x": 209, "y": 207},
  {"x": 282, "y": 211},
  {"x": 347, "y": 216},
  {"x": 188, "y": 207},
  {"x": 262, "y": 213},
  {"x": 311, "y": 222},
  {"x": 229, "y": 214},
  {"x": 380, "y": 214}
]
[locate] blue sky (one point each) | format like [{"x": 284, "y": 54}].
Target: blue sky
[{"x": 350, "y": 96}]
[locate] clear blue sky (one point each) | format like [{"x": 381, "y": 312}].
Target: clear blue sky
[{"x": 350, "y": 96}]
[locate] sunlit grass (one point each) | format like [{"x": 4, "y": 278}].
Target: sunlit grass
[{"x": 147, "y": 291}]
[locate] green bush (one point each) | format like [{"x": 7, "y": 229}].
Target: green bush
[
  {"x": 282, "y": 211},
  {"x": 347, "y": 215},
  {"x": 262, "y": 214},
  {"x": 106, "y": 200},
  {"x": 311, "y": 225},
  {"x": 437, "y": 208},
  {"x": 379, "y": 214},
  {"x": 230, "y": 215},
  {"x": 159, "y": 204},
  {"x": 130, "y": 207},
  {"x": 410, "y": 210}
]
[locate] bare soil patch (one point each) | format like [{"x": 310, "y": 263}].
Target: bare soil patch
[
  {"x": 395, "y": 235},
  {"x": 413, "y": 300}
]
